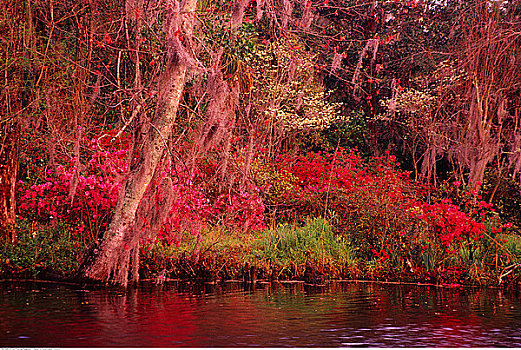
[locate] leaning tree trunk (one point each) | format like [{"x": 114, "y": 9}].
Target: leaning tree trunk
[
  {"x": 9, "y": 146},
  {"x": 117, "y": 255}
]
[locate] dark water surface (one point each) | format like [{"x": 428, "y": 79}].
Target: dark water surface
[{"x": 273, "y": 315}]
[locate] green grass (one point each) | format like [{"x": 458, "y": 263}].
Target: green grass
[
  {"x": 279, "y": 252},
  {"x": 290, "y": 244}
]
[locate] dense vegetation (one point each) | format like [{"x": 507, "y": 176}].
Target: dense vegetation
[{"x": 261, "y": 139}]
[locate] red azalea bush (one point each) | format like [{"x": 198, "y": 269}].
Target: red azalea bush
[
  {"x": 97, "y": 190},
  {"x": 450, "y": 223},
  {"x": 99, "y": 183},
  {"x": 244, "y": 209},
  {"x": 374, "y": 205}
]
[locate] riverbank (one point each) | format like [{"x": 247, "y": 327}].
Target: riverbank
[
  {"x": 313, "y": 254},
  {"x": 310, "y": 252},
  {"x": 314, "y": 217}
]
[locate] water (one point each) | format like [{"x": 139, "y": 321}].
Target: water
[{"x": 270, "y": 315}]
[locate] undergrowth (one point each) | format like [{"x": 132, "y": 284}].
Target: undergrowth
[{"x": 42, "y": 250}]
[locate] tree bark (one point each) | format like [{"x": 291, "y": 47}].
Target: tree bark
[
  {"x": 16, "y": 36},
  {"x": 117, "y": 255},
  {"x": 9, "y": 149}
]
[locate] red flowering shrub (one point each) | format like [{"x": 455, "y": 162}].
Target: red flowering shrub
[
  {"x": 97, "y": 189},
  {"x": 451, "y": 224},
  {"x": 467, "y": 200},
  {"x": 372, "y": 204},
  {"x": 299, "y": 185},
  {"x": 244, "y": 209},
  {"x": 99, "y": 184}
]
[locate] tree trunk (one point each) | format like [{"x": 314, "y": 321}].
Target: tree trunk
[
  {"x": 9, "y": 146},
  {"x": 15, "y": 32},
  {"x": 117, "y": 255}
]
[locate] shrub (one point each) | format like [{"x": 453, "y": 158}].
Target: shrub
[
  {"x": 384, "y": 215},
  {"x": 99, "y": 183},
  {"x": 97, "y": 189},
  {"x": 41, "y": 248}
]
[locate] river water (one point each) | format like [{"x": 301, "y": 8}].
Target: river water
[{"x": 268, "y": 315}]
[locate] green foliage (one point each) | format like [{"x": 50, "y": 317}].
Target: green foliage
[
  {"x": 41, "y": 248},
  {"x": 205, "y": 256},
  {"x": 378, "y": 226},
  {"x": 511, "y": 243},
  {"x": 349, "y": 132},
  {"x": 313, "y": 242},
  {"x": 277, "y": 184}
]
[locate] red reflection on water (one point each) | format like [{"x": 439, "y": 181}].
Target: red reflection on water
[
  {"x": 146, "y": 319},
  {"x": 269, "y": 315},
  {"x": 99, "y": 319}
]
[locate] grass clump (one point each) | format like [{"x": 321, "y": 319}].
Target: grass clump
[{"x": 286, "y": 249}]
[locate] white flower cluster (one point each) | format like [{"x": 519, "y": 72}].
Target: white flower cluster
[{"x": 287, "y": 90}]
